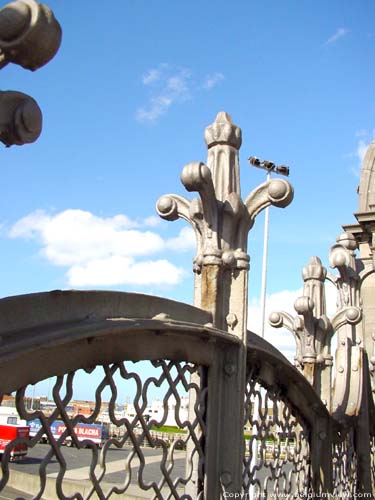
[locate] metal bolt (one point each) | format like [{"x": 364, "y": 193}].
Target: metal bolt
[
  {"x": 322, "y": 435},
  {"x": 355, "y": 368},
  {"x": 226, "y": 478},
  {"x": 341, "y": 369},
  {"x": 229, "y": 369}
]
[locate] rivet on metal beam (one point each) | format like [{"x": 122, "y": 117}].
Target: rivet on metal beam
[
  {"x": 226, "y": 478},
  {"x": 229, "y": 369},
  {"x": 231, "y": 320}
]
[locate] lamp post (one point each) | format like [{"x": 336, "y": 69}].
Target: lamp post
[{"x": 270, "y": 167}]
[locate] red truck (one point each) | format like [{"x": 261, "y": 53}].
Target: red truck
[{"x": 10, "y": 432}]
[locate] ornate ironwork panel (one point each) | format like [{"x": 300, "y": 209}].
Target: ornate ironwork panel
[
  {"x": 277, "y": 452},
  {"x": 372, "y": 461},
  {"x": 345, "y": 466},
  {"x": 136, "y": 454}
]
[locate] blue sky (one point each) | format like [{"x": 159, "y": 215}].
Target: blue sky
[{"x": 125, "y": 104}]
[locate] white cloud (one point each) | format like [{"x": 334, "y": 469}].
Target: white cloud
[
  {"x": 173, "y": 88},
  {"x": 151, "y": 76},
  {"x": 152, "y": 221},
  {"x": 102, "y": 250},
  {"x": 120, "y": 270},
  {"x": 178, "y": 83},
  {"x": 339, "y": 33},
  {"x": 184, "y": 241},
  {"x": 154, "y": 74},
  {"x": 169, "y": 85},
  {"x": 29, "y": 226},
  {"x": 284, "y": 300},
  {"x": 75, "y": 236},
  {"x": 212, "y": 80}
]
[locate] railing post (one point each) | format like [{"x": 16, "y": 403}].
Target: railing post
[
  {"x": 321, "y": 457},
  {"x": 362, "y": 434},
  {"x": 225, "y": 441}
]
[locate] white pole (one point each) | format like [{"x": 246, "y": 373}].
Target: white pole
[
  {"x": 263, "y": 296},
  {"x": 263, "y": 291}
]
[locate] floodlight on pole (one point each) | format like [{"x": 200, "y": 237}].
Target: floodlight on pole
[{"x": 269, "y": 166}]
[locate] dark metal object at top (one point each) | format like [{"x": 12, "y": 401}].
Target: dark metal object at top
[{"x": 269, "y": 166}]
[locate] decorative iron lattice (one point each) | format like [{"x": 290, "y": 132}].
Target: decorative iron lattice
[
  {"x": 345, "y": 466},
  {"x": 277, "y": 453},
  {"x": 136, "y": 457},
  {"x": 372, "y": 459}
]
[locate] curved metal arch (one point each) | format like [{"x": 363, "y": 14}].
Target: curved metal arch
[
  {"x": 53, "y": 333},
  {"x": 46, "y": 308},
  {"x": 274, "y": 370}
]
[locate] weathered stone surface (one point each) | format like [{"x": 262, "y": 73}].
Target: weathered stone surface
[{"x": 367, "y": 183}]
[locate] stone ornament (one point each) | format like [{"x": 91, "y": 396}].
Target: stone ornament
[
  {"x": 20, "y": 118},
  {"x": 221, "y": 221},
  {"x": 220, "y": 218},
  {"x": 313, "y": 329},
  {"x": 30, "y": 35}
]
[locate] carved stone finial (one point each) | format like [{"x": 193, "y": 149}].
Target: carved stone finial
[
  {"x": 314, "y": 270},
  {"x": 347, "y": 240},
  {"x": 222, "y": 221},
  {"x": 29, "y": 34},
  {"x": 223, "y": 131},
  {"x": 20, "y": 118},
  {"x": 342, "y": 254}
]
